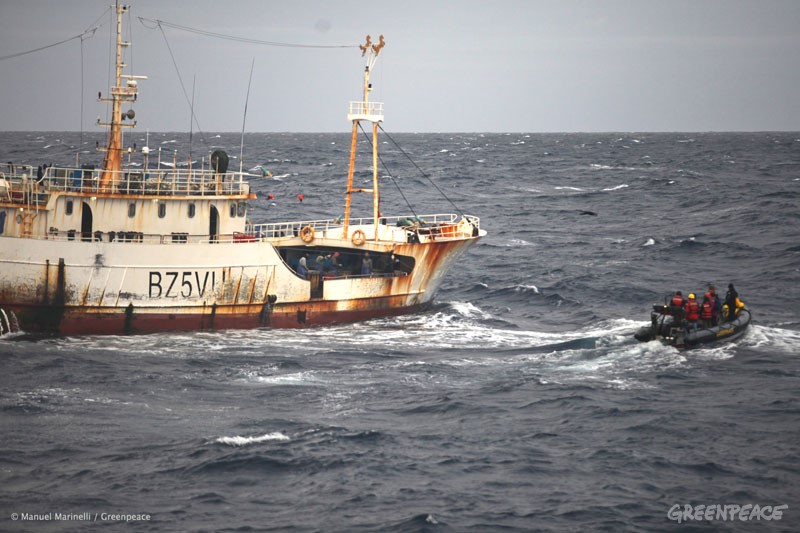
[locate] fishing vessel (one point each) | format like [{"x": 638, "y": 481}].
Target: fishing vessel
[{"x": 121, "y": 249}]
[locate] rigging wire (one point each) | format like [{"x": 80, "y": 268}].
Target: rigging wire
[
  {"x": 183, "y": 87},
  {"x": 87, "y": 33},
  {"x": 460, "y": 212},
  {"x": 90, "y": 33},
  {"x": 131, "y": 40},
  {"x": 109, "y": 65},
  {"x": 80, "y": 142},
  {"x": 244, "y": 118},
  {"x": 93, "y": 27},
  {"x": 366, "y": 136},
  {"x": 158, "y": 23}
]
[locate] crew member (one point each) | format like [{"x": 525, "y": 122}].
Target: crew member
[
  {"x": 676, "y": 307},
  {"x": 692, "y": 309},
  {"x": 711, "y": 294},
  {"x": 366, "y": 265},
  {"x": 730, "y": 300},
  {"x": 302, "y": 266},
  {"x": 707, "y": 312}
]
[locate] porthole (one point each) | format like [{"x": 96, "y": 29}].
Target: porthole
[
  {"x": 192, "y": 209},
  {"x": 233, "y": 210},
  {"x": 162, "y": 210},
  {"x": 131, "y": 209},
  {"x": 69, "y": 207}
]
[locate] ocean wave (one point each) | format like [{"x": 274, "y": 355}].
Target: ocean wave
[
  {"x": 775, "y": 338},
  {"x": 512, "y": 243},
  {"x": 238, "y": 441},
  {"x": 296, "y": 378}
]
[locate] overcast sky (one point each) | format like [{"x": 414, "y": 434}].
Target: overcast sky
[{"x": 448, "y": 65}]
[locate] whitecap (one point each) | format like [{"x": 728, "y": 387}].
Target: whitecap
[
  {"x": 623, "y": 186},
  {"x": 518, "y": 242},
  {"x": 243, "y": 441},
  {"x": 525, "y": 288},
  {"x": 779, "y": 339},
  {"x": 650, "y": 242},
  {"x": 569, "y": 188},
  {"x": 298, "y": 378},
  {"x": 467, "y": 309}
]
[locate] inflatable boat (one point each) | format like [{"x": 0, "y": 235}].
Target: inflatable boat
[{"x": 663, "y": 327}]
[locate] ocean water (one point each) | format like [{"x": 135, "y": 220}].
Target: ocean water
[{"x": 519, "y": 402}]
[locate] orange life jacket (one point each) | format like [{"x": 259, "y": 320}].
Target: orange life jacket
[
  {"x": 677, "y": 301},
  {"x": 708, "y": 310},
  {"x": 692, "y": 310}
]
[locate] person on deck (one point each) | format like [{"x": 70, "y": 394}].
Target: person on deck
[
  {"x": 676, "y": 307},
  {"x": 692, "y": 310},
  {"x": 730, "y": 300},
  {"x": 707, "y": 312},
  {"x": 366, "y": 265},
  {"x": 711, "y": 294},
  {"x": 302, "y": 268}
]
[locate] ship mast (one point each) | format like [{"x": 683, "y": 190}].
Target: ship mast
[
  {"x": 112, "y": 162},
  {"x": 372, "y": 112}
]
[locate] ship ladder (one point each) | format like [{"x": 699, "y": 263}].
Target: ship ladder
[{"x": 27, "y": 224}]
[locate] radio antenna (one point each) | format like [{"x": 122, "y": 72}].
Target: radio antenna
[
  {"x": 191, "y": 120},
  {"x": 244, "y": 118}
]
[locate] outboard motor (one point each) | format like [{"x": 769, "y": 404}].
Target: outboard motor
[
  {"x": 661, "y": 323},
  {"x": 644, "y": 334}
]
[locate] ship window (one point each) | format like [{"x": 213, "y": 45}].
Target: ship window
[
  {"x": 131, "y": 209},
  {"x": 2, "y": 222},
  {"x": 242, "y": 209},
  {"x": 233, "y": 210},
  {"x": 69, "y": 207},
  {"x": 192, "y": 210},
  {"x": 162, "y": 210}
]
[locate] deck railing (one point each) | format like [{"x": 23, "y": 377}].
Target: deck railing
[
  {"x": 323, "y": 227},
  {"x": 441, "y": 225},
  {"x": 25, "y": 184},
  {"x": 370, "y": 111}
]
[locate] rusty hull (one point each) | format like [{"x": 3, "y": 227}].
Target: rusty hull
[{"x": 98, "y": 298}]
